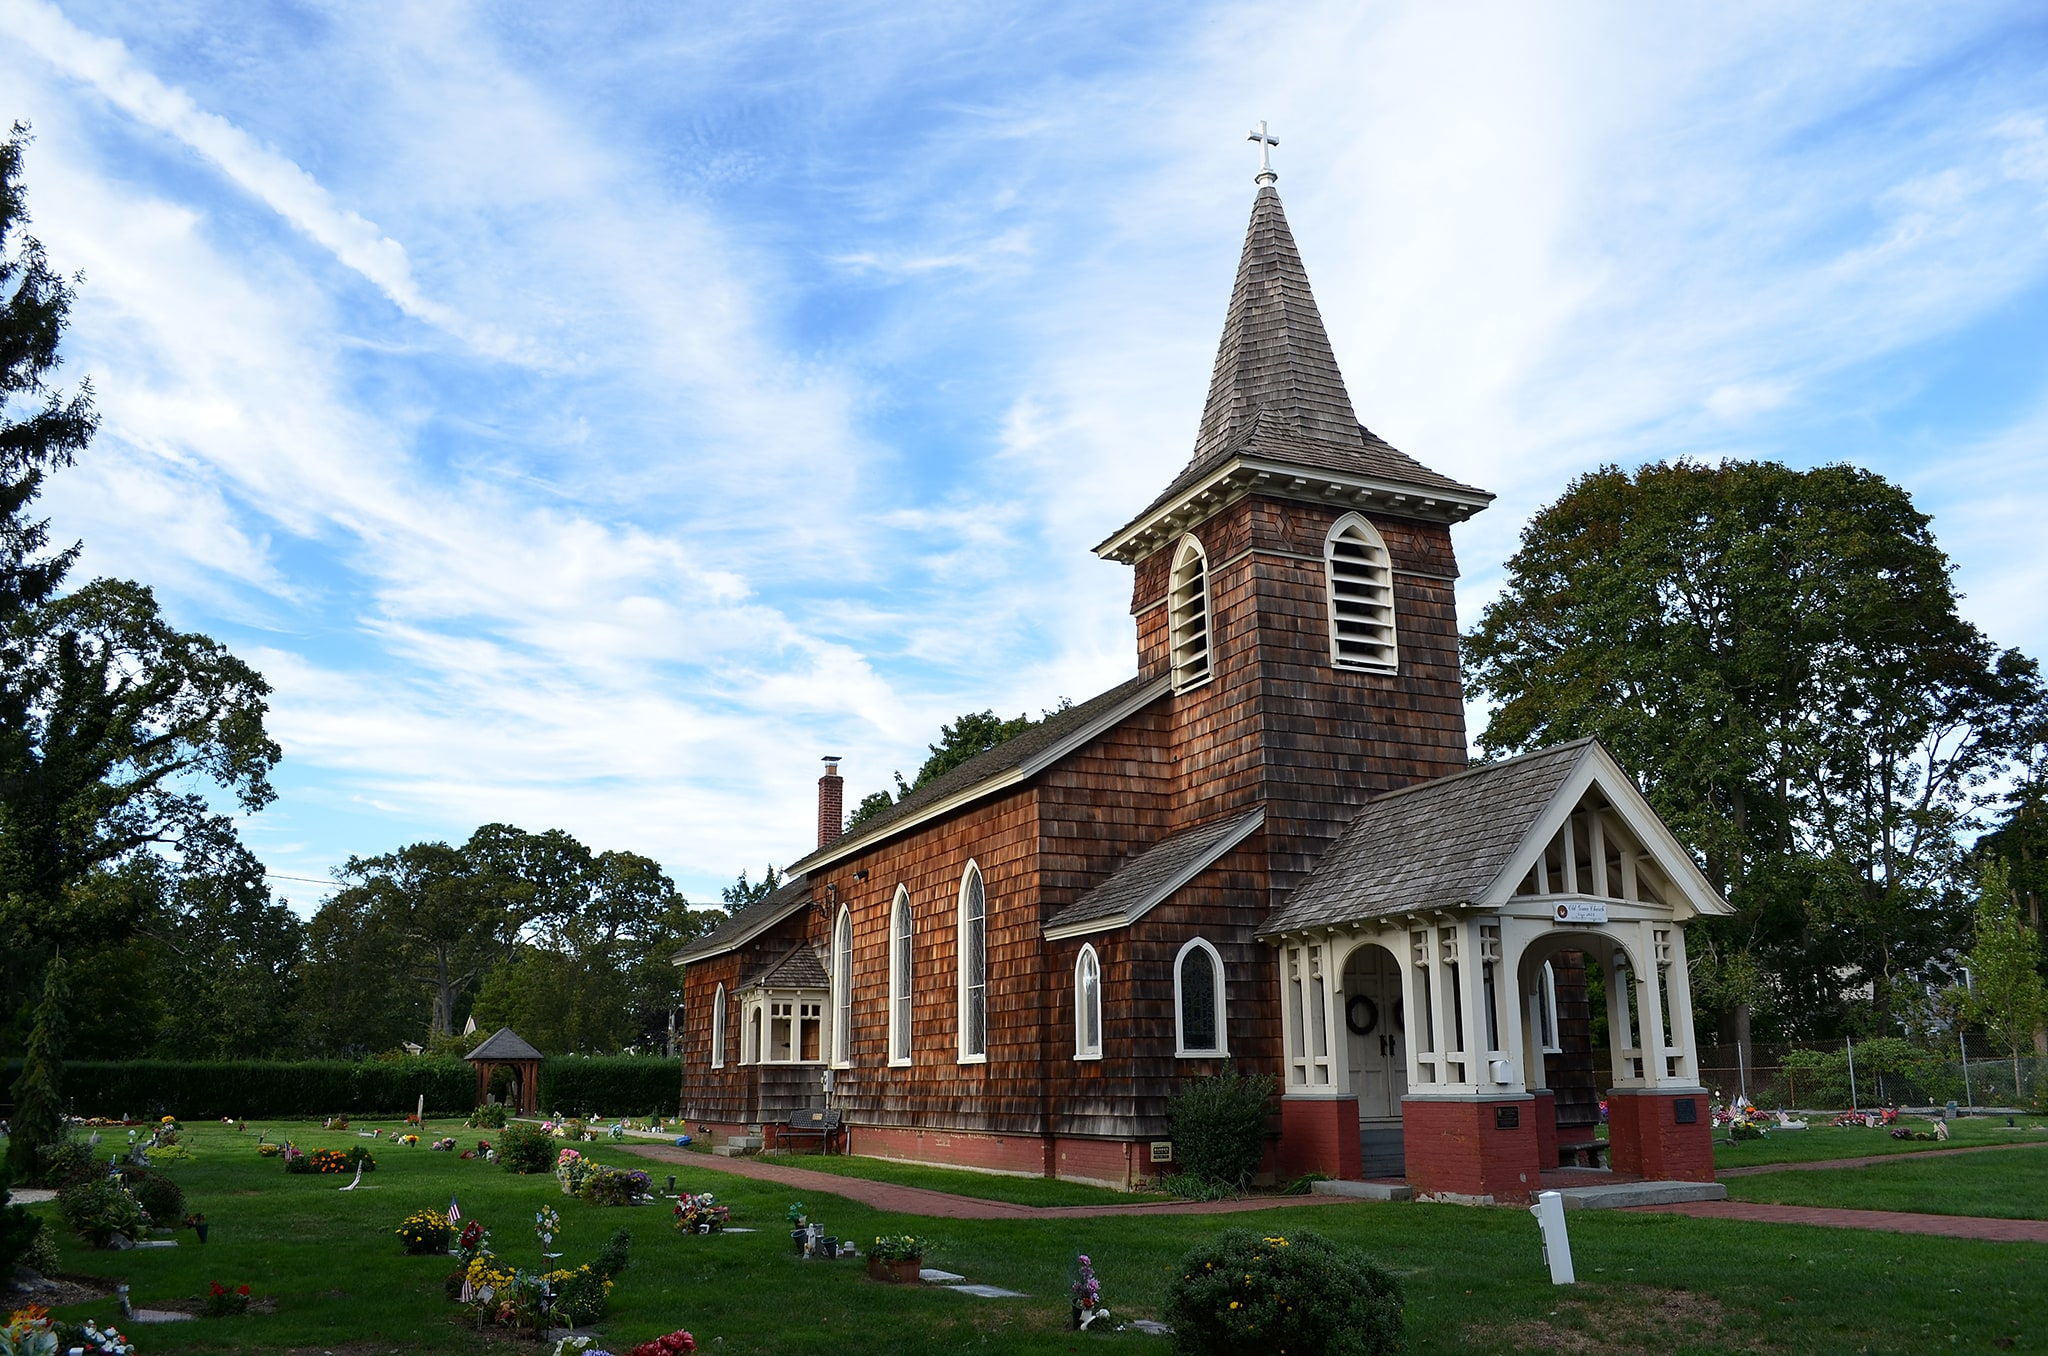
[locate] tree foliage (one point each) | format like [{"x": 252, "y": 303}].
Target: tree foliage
[
  {"x": 38, "y": 1119},
  {"x": 2007, "y": 993},
  {"x": 1779, "y": 655},
  {"x": 967, "y": 736}
]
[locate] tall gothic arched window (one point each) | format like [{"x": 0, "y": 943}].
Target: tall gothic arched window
[
  {"x": 1360, "y": 577},
  {"x": 842, "y": 988},
  {"x": 973, "y": 967},
  {"x": 1187, "y": 615},
  {"x": 1087, "y": 1005},
  {"x": 899, "y": 978},
  {"x": 1199, "y": 1017},
  {"x": 718, "y": 1029}
]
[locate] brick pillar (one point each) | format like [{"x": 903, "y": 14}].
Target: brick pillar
[
  {"x": 1545, "y": 1113},
  {"x": 1661, "y": 1136},
  {"x": 1482, "y": 1150},
  {"x": 831, "y": 804},
  {"x": 1320, "y": 1134}
]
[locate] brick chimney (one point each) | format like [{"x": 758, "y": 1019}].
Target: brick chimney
[{"x": 831, "y": 803}]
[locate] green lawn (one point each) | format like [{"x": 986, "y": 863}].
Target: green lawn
[
  {"x": 1825, "y": 1141},
  {"x": 2011, "y": 1185},
  {"x": 981, "y": 1185},
  {"x": 1475, "y": 1277}
]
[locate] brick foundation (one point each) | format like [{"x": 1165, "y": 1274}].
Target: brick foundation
[
  {"x": 1645, "y": 1138},
  {"x": 1546, "y": 1127},
  {"x": 1458, "y": 1148},
  {"x": 1319, "y": 1134},
  {"x": 1104, "y": 1162}
]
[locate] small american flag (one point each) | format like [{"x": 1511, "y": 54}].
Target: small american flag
[
  {"x": 468, "y": 1292},
  {"x": 454, "y": 1211}
]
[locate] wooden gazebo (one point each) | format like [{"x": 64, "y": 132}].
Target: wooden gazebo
[{"x": 507, "y": 1049}]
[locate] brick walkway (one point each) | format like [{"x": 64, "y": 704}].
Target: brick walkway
[
  {"x": 1885, "y": 1221},
  {"x": 1875, "y": 1159},
  {"x": 906, "y": 1200}
]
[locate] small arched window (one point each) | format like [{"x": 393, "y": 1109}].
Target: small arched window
[
  {"x": 1199, "y": 1016},
  {"x": 718, "y": 1029},
  {"x": 1187, "y": 616},
  {"x": 973, "y": 967},
  {"x": 899, "y": 978},
  {"x": 842, "y": 988},
  {"x": 1360, "y": 576},
  {"x": 1087, "y": 1005}
]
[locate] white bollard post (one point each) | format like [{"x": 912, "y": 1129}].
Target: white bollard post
[{"x": 1557, "y": 1248}]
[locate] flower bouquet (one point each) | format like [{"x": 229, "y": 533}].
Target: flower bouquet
[
  {"x": 701, "y": 1214},
  {"x": 322, "y": 1160},
  {"x": 1087, "y": 1292},
  {"x": 677, "y": 1343},
  {"x": 222, "y": 1302},
  {"x": 475, "y": 1239},
  {"x": 896, "y": 1257},
  {"x": 269, "y": 1150},
  {"x": 424, "y": 1232},
  {"x": 335, "y": 1123},
  {"x": 446, "y": 1146},
  {"x": 409, "y": 1139}
]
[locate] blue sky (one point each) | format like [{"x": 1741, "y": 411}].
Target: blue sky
[{"x": 587, "y": 416}]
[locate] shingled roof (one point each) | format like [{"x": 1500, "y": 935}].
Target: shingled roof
[
  {"x": 1276, "y": 394},
  {"x": 1435, "y": 845},
  {"x": 796, "y": 968},
  {"x": 1151, "y": 876},
  {"x": 748, "y": 923},
  {"x": 505, "y": 1044},
  {"x": 1007, "y": 763}
]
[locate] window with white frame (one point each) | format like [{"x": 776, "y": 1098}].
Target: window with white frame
[
  {"x": 718, "y": 1029},
  {"x": 1199, "y": 1016},
  {"x": 973, "y": 967},
  {"x": 842, "y": 989},
  {"x": 1360, "y": 578},
  {"x": 782, "y": 1027},
  {"x": 1087, "y": 1005},
  {"x": 1187, "y": 616},
  {"x": 899, "y": 978}
]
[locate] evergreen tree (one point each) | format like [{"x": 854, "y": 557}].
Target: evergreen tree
[
  {"x": 39, "y": 1092},
  {"x": 2005, "y": 957}
]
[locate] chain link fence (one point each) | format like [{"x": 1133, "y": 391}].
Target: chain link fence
[{"x": 1817, "y": 1078}]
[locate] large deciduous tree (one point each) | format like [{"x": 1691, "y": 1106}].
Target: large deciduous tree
[{"x": 1779, "y": 655}]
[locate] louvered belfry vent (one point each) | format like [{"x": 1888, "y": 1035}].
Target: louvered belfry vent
[
  {"x": 1361, "y": 580},
  {"x": 1188, "y": 617}
]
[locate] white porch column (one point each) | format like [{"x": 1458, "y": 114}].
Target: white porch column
[
  {"x": 1650, "y": 1007},
  {"x": 1420, "y": 982},
  {"x": 1623, "y": 1040},
  {"x": 1291, "y": 1044},
  {"x": 1686, "y": 1042}
]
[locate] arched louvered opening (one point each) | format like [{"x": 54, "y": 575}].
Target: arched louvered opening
[
  {"x": 1361, "y": 585},
  {"x": 842, "y": 989},
  {"x": 973, "y": 967},
  {"x": 1187, "y": 611}
]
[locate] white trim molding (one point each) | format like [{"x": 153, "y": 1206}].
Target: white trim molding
[
  {"x": 1087, "y": 1004},
  {"x": 971, "y": 965},
  {"x": 902, "y": 938},
  {"x": 1218, "y": 1007}
]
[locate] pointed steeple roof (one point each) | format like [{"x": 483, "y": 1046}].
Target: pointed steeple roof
[{"x": 1278, "y": 415}]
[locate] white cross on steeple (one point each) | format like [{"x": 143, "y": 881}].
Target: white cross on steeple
[{"x": 1266, "y": 145}]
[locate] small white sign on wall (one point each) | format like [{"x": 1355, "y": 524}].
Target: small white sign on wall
[{"x": 1581, "y": 911}]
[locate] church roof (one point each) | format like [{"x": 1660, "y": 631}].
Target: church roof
[
  {"x": 1005, "y": 765},
  {"x": 1148, "y": 878},
  {"x": 748, "y": 923},
  {"x": 1277, "y": 402},
  {"x": 1434, "y": 845},
  {"x": 506, "y": 1044},
  {"x": 798, "y": 968}
]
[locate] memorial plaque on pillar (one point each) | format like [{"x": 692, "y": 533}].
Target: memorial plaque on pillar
[
  {"x": 1685, "y": 1110},
  {"x": 1507, "y": 1118}
]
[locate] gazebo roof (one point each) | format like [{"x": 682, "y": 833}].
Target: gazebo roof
[{"x": 506, "y": 1044}]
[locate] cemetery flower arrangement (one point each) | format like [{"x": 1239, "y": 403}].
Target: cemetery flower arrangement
[
  {"x": 170, "y": 1153},
  {"x": 295, "y": 1159},
  {"x": 269, "y": 1150},
  {"x": 159, "y": 1197},
  {"x": 795, "y": 1215},
  {"x": 1087, "y": 1292},
  {"x": 487, "y": 1117},
  {"x": 98, "y": 1210},
  {"x": 610, "y": 1186},
  {"x": 324, "y": 1160},
  {"x": 335, "y": 1123},
  {"x": 446, "y": 1146},
  {"x": 222, "y": 1302},
  {"x": 475, "y": 1239},
  {"x": 410, "y": 1139},
  {"x": 571, "y": 1167},
  {"x": 1243, "y": 1291},
  {"x": 677, "y": 1343},
  {"x": 526, "y": 1148},
  {"x": 898, "y": 1248},
  {"x": 32, "y": 1332},
  {"x": 701, "y": 1214},
  {"x": 424, "y": 1232},
  {"x": 359, "y": 1155}
]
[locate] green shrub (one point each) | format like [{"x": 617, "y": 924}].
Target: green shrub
[
  {"x": 99, "y": 1210},
  {"x": 42, "y": 1256},
  {"x": 616, "y": 1254},
  {"x": 160, "y": 1197},
  {"x": 1298, "y": 1293},
  {"x": 609, "y": 1085},
  {"x": 296, "y": 1160},
  {"x": 526, "y": 1148},
  {"x": 489, "y": 1116},
  {"x": 19, "y": 1233},
  {"x": 201, "y": 1090},
  {"x": 69, "y": 1162},
  {"x": 359, "y": 1157},
  {"x": 1219, "y": 1126},
  {"x": 580, "y": 1300}
]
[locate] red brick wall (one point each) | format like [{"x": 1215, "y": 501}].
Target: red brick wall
[
  {"x": 1455, "y": 1148},
  {"x": 1546, "y": 1129},
  {"x": 1645, "y": 1139},
  {"x": 1117, "y": 1163},
  {"x": 1319, "y": 1134}
]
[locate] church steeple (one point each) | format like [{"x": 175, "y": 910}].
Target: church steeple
[{"x": 1278, "y": 417}]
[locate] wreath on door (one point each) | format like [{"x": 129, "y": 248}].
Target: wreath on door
[{"x": 1361, "y": 1025}]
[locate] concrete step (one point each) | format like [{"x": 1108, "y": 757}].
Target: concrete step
[
  {"x": 1622, "y": 1195},
  {"x": 728, "y": 1151},
  {"x": 743, "y": 1142},
  {"x": 1365, "y": 1191}
]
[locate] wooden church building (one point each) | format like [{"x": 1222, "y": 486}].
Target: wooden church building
[{"x": 1266, "y": 848}]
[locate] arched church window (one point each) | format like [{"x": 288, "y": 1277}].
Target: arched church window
[
  {"x": 842, "y": 988},
  {"x": 1087, "y": 1005},
  {"x": 899, "y": 978},
  {"x": 1360, "y": 578},
  {"x": 1199, "y": 1016},
  {"x": 718, "y": 1029},
  {"x": 973, "y": 967},
  {"x": 1187, "y": 616}
]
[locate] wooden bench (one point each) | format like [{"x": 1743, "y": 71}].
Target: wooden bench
[
  {"x": 1585, "y": 1153},
  {"x": 823, "y": 1126}
]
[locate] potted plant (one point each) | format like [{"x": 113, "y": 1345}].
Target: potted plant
[{"x": 896, "y": 1257}]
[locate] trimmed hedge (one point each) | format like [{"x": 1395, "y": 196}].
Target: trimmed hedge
[
  {"x": 148, "y": 1088},
  {"x": 611, "y": 1085}
]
